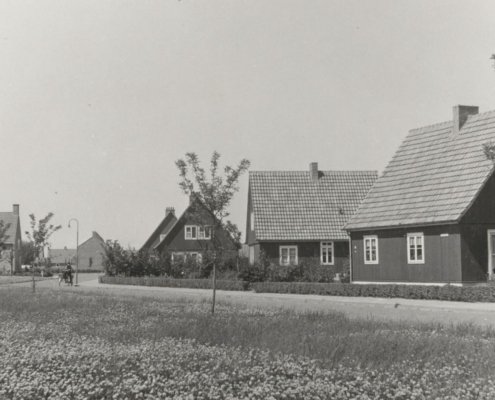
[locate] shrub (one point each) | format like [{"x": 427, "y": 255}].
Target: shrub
[
  {"x": 173, "y": 283},
  {"x": 447, "y": 292}
]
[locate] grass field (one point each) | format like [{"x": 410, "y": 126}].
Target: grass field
[{"x": 66, "y": 345}]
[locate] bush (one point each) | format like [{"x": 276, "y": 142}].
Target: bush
[
  {"x": 447, "y": 292},
  {"x": 173, "y": 283}
]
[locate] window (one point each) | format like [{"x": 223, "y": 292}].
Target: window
[
  {"x": 252, "y": 220},
  {"x": 370, "y": 249},
  {"x": 193, "y": 232},
  {"x": 415, "y": 248},
  {"x": 326, "y": 253},
  {"x": 181, "y": 256},
  {"x": 204, "y": 232},
  {"x": 288, "y": 255},
  {"x": 162, "y": 236}
]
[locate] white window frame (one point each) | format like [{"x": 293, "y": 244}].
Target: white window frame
[
  {"x": 184, "y": 255},
  {"x": 197, "y": 232},
  {"x": 371, "y": 239},
  {"x": 204, "y": 232},
  {"x": 415, "y": 236},
  {"x": 288, "y": 248},
  {"x": 324, "y": 247},
  {"x": 189, "y": 230}
]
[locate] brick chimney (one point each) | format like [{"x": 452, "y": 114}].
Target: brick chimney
[
  {"x": 169, "y": 210},
  {"x": 15, "y": 209},
  {"x": 313, "y": 171},
  {"x": 461, "y": 114}
]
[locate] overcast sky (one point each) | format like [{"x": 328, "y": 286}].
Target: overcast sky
[{"x": 99, "y": 98}]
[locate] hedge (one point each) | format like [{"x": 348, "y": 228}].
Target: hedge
[
  {"x": 174, "y": 283},
  {"x": 447, "y": 292}
]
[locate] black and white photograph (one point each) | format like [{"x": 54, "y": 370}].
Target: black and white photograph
[{"x": 233, "y": 199}]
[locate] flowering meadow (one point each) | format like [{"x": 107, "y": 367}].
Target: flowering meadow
[{"x": 68, "y": 345}]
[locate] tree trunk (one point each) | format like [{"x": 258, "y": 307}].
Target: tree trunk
[
  {"x": 214, "y": 286},
  {"x": 34, "y": 284}
]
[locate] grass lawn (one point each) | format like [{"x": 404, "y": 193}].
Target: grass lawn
[
  {"x": 66, "y": 345},
  {"x": 9, "y": 279}
]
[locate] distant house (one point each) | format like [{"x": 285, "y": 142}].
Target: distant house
[
  {"x": 298, "y": 216},
  {"x": 10, "y": 257},
  {"x": 190, "y": 235},
  {"x": 61, "y": 257},
  {"x": 91, "y": 253},
  {"x": 430, "y": 218}
]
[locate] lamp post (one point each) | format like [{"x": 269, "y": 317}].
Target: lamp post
[{"x": 77, "y": 244}]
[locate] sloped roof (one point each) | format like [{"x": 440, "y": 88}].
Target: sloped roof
[
  {"x": 94, "y": 235},
  {"x": 289, "y": 205},
  {"x": 60, "y": 256},
  {"x": 13, "y": 220},
  {"x": 163, "y": 228},
  {"x": 433, "y": 178}
]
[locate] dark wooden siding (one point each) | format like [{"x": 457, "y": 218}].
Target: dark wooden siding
[
  {"x": 482, "y": 211},
  {"x": 308, "y": 252},
  {"x": 442, "y": 250},
  {"x": 196, "y": 215},
  {"x": 474, "y": 226}
]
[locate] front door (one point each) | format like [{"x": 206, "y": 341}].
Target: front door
[{"x": 491, "y": 253}]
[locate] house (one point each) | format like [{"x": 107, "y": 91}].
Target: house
[
  {"x": 298, "y": 216},
  {"x": 91, "y": 253},
  {"x": 61, "y": 257},
  {"x": 190, "y": 235},
  {"x": 10, "y": 248},
  {"x": 161, "y": 230},
  {"x": 430, "y": 218}
]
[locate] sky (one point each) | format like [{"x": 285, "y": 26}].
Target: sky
[{"x": 98, "y": 99}]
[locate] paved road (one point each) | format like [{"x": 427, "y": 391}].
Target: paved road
[{"x": 444, "y": 312}]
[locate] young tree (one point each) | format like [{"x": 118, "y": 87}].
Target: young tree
[
  {"x": 41, "y": 231},
  {"x": 28, "y": 253},
  {"x": 215, "y": 193}
]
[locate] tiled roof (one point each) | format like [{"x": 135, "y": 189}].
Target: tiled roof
[
  {"x": 289, "y": 205},
  {"x": 13, "y": 220},
  {"x": 433, "y": 178},
  {"x": 60, "y": 256}
]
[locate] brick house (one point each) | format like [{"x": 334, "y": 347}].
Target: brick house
[
  {"x": 91, "y": 253},
  {"x": 10, "y": 249},
  {"x": 298, "y": 216},
  {"x": 430, "y": 218}
]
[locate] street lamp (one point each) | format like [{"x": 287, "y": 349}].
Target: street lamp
[{"x": 77, "y": 245}]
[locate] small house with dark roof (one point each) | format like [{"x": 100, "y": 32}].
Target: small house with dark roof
[
  {"x": 299, "y": 216},
  {"x": 62, "y": 257},
  {"x": 430, "y": 218},
  {"x": 10, "y": 247},
  {"x": 190, "y": 235},
  {"x": 161, "y": 230}
]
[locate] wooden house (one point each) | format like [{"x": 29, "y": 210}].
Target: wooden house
[
  {"x": 190, "y": 235},
  {"x": 298, "y": 216},
  {"x": 10, "y": 247},
  {"x": 430, "y": 218},
  {"x": 161, "y": 230}
]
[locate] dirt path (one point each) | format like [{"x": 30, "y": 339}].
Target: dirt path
[{"x": 430, "y": 311}]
